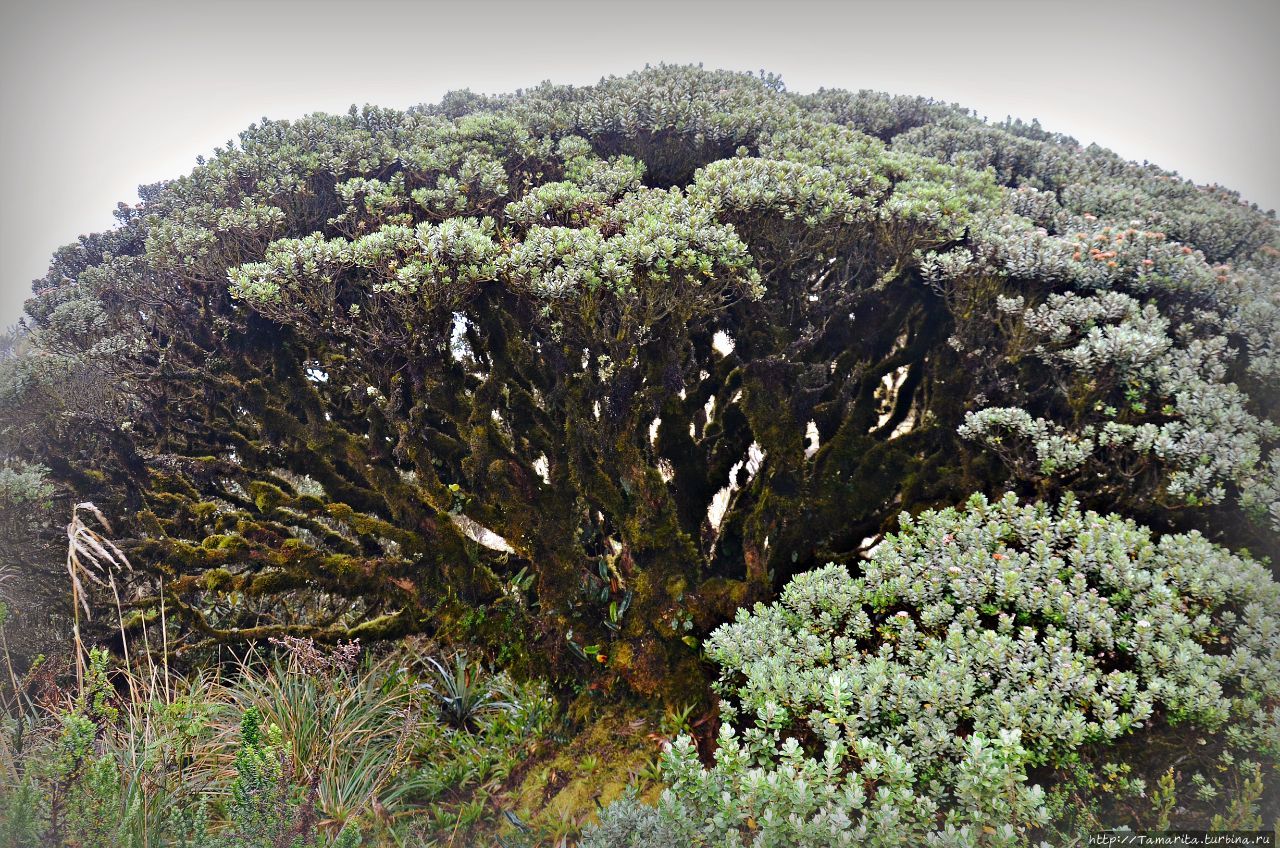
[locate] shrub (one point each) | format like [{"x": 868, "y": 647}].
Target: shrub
[
  {"x": 783, "y": 797},
  {"x": 1149, "y": 410},
  {"x": 268, "y": 809},
  {"x": 975, "y": 645}
]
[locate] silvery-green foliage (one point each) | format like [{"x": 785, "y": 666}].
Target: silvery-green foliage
[
  {"x": 1015, "y": 160},
  {"x": 778, "y": 795},
  {"x": 1253, "y": 288},
  {"x": 1054, "y": 448},
  {"x": 1070, "y": 627},
  {"x": 810, "y": 192},
  {"x": 599, "y": 233},
  {"x": 1084, "y": 220},
  {"x": 975, "y": 643},
  {"x": 876, "y": 113},
  {"x": 1097, "y": 182},
  {"x": 1147, "y": 400},
  {"x": 24, "y": 485},
  {"x": 1262, "y": 496},
  {"x": 1023, "y": 240},
  {"x": 1039, "y": 207}
]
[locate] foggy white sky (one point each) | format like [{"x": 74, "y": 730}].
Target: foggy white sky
[{"x": 101, "y": 97}]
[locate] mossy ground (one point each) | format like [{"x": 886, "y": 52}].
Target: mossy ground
[{"x": 557, "y": 790}]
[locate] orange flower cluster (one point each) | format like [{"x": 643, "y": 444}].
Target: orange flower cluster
[{"x": 1105, "y": 237}]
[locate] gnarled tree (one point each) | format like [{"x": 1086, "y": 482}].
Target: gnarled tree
[{"x": 658, "y": 343}]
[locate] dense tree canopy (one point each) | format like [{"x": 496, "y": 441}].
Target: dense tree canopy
[{"x": 601, "y": 365}]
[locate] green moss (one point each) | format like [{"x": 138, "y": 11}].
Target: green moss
[
  {"x": 342, "y": 567},
  {"x": 225, "y": 543},
  {"x": 204, "y": 510},
  {"x": 268, "y": 583},
  {"x": 267, "y": 497},
  {"x": 219, "y": 580},
  {"x": 717, "y": 599},
  {"x": 382, "y": 627},
  {"x": 308, "y": 503},
  {"x": 556, "y": 788}
]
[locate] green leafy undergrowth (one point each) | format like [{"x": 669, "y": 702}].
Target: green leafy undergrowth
[{"x": 297, "y": 746}]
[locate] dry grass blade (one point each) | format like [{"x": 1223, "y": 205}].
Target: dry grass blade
[
  {"x": 87, "y": 547},
  {"x": 93, "y": 557}
]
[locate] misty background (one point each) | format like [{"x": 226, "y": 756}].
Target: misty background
[{"x": 99, "y": 97}]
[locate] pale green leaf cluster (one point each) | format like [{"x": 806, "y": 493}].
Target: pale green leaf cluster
[
  {"x": 974, "y": 644},
  {"x": 1069, "y": 626},
  {"x": 1141, "y": 394},
  {"x": 789, "y": 799}
]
